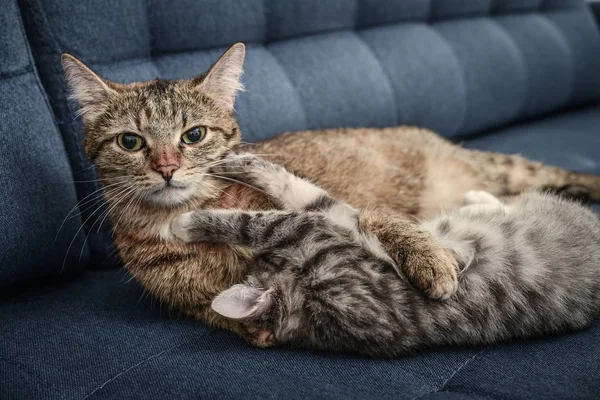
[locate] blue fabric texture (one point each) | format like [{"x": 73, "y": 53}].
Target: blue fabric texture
[
  {"x": 94, "y": 337},
  {"x": 570, "y": 140},
  {"x": 457, "y": 67},
  {"x": 36, "y": 188},
  {"x": 517, "y": 76}
]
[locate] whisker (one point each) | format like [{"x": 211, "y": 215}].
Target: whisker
[
  {"x": 220, "y": 190},
  {"x": 105, "y": 213},
  {"x": 102, "y": 180},
  {"x": 112, "y": 207},
  {"x": 99, "y": 197},
  {"x": 238, "y": 181},
  {"x": 135, "y": 196},
  {"x": 74, "y": 238},
  {"x": 84, "y": 169},
  {"x": 79, "y": 204}
]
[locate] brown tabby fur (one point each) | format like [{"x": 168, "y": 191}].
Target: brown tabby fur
[{"x": 403, "y": 170}]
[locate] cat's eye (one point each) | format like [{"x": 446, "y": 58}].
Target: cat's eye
[
  {"x": 130, "y": 141},
  {"x": 194, "y": 135}
]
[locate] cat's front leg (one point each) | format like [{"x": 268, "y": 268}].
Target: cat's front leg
[
  {"x": 427, "y": 264},
  {"x": 246, "y": 228},
  {"x": 213, "y": 226},
  {"x": 282, "y": 187}
]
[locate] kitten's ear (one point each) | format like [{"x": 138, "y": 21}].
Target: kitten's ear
[
  {"x": 464, "y": 256},
  {"x": 241, "y": 301},
  {"x": 86, "y": 86},
  {"x": 222, "y": 81}
]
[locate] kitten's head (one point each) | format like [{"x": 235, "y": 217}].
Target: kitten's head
[
  {"x": 271, "y": 301},
  {"x": 324, "y": 308},
  {"x": 160, "y": 137}
]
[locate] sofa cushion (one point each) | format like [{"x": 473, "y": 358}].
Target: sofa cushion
[
  {"x": 570, "y": 140},
  {"x": 36, "y": 182},
  {"x": 453, "y": 66},
  {"x": 93, "y": 337},
  {"x": 389, "y": 53}
]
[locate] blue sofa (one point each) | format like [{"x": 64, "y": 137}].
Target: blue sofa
[{"x": 517, "y": 76}]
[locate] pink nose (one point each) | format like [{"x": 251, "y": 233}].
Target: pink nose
[{"x": 167, "y": 171}]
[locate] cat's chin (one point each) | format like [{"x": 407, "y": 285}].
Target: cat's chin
[{"x": 170, "y": 196}]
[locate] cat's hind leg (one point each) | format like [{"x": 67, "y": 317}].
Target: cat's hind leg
[
  {"x": 477, "y": 202},
  {"x": 480, "y": 197},
  {"x": 507, "y": 174}
]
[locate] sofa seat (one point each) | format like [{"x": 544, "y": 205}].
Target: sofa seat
[
  {"x": 98, "y": 335},
  {"x": 570, "y": 140}
]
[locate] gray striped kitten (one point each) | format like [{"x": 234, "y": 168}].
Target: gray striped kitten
[{"x": 528, "y": 268}]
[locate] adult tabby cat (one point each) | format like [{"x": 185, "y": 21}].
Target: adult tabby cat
[
  {"x": 153, "y": 143},
  {"x": 528, "y": 268}
]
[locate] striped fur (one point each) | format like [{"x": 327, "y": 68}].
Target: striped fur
[
  {"x": 528, "y": 268},
  {"x": 392, "y": 174}
]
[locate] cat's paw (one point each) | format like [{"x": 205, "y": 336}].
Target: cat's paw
[
  {"x": 180, "y": 227},
  {"x": 435, "y": 274},
  {"x": 480, "y": 197},
  {"x": 234, "y": 165},
  {"x": 262, "y": 338}
]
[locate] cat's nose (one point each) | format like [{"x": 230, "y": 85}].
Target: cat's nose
[{"x": 167, "y": 171}]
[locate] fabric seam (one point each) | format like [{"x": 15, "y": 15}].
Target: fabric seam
[
  {"x": 452, "y": 375},
  {"x": 125, "y": 371},
  {"x": 24, "y": 370},
  {"x": 399, "y": 118},
  {"x": 287, "y": 76}
]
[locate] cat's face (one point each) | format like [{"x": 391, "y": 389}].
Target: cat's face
[{"x": 159, "y": 138}]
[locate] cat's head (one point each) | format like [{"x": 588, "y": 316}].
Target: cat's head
[
  {"x": 159, "y": 138},
  {"x": 271, "y": 302}
]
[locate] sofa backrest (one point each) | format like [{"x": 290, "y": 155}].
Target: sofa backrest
[
  {"x": 457, "y": 67},
  {"x": 36, "y": 181}
]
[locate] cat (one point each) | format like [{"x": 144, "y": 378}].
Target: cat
[
  {"x": 152, "y": 144},
  {"x": 527, "y": 268}
]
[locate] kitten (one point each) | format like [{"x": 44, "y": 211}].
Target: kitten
[
  {"x": 528, "y": 268},
  {"x": 152, "y": 144}
]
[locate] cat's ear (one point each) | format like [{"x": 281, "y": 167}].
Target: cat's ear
[
  {"x": 86, "y": 86},
  {"x": 241, "y": 301},
  {"x": 222, "y": 81}
]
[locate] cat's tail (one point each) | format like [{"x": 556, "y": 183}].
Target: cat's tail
[{"x": 516, "y": 174}]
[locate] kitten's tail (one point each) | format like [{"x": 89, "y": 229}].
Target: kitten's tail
[{"x": 517, "y": 174}]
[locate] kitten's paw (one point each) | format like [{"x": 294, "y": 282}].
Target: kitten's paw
[
  {"x": 435, "y": 274},
  {"x": 480, "y": 197},
  {"x": 262, "y": 338},
  {"x": 180, "y": 227},
  {"x": 235, "y": 165}
]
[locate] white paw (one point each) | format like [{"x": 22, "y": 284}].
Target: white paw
[
  {"x": 480, "y": 197},
  {"x": 180, "y": 227}
]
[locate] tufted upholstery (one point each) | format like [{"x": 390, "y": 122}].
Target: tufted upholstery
[
  {"x": 36, "y": 190},
  {"x": 457, "y": 67},
  {"x": 523, "y": 71}
]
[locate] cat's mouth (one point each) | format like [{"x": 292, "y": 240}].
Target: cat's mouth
[
  {"x": 172, "y": 185},
  {"x": 171, "y": 193}
]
